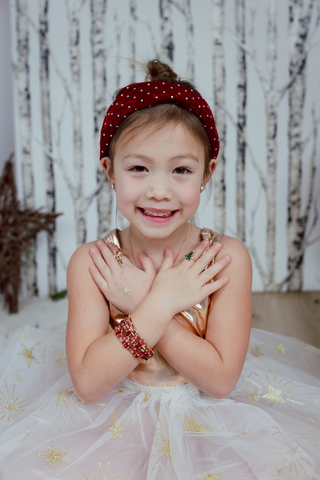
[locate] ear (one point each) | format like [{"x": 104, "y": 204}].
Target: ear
[
  {"x": 212, "y": 166},
  {"x": 106, "y": 165}
]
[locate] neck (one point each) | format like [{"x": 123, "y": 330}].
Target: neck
[{"x": 154, "y": 248}]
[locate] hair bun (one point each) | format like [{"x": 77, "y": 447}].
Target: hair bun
[{"x": 160, "y": 72}]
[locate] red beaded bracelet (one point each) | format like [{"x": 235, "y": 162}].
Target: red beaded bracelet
[{"x": 131, "y": 340}]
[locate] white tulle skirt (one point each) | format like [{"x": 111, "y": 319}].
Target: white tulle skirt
[{"x": 268, "y": 428}]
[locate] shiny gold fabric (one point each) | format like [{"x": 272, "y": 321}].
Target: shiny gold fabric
[{"x": 157, "y": 371}]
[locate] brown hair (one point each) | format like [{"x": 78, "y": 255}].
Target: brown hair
[{"x": 152, "y": 119}]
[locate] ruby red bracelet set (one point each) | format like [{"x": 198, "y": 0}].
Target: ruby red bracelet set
[{"x": 132, "y": 341}]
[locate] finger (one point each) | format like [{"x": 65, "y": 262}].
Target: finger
[
  {"x": 147, "y": 264},
  {"x": 209, "y": 273},
  {"x": 98, "y": 278},
  {"x": 108, "y": 252},
  {"x": 100, "y": 262},
  {"x": 202, "y": 248},
  {"x": 205, "y": 258},
  {"x": 210, "y": 288},
  {"x": 168, "y": 260}
]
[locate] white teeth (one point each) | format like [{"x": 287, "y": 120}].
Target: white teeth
[{"x": 157, "y": 214}]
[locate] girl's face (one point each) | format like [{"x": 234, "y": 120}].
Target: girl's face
[{"x": 157, "y": 179}]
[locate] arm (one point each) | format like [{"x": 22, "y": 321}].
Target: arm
[
  {"x": 97, "y": 360},
  {"x": 214, "y": 364}
]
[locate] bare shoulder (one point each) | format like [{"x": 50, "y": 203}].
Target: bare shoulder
[
  {"x": 83, "y": 293},
  {"x": 233, "y": 246},
  {"x": 80, "y": 258},
  {"x": 240, "y": 265}
]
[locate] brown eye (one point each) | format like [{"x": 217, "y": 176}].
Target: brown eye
[
  {"x": 181, "y": 170},
  {"x": 138, "y": 168}
]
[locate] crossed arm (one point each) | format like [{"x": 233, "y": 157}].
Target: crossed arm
[{"x": 97, "y": 360}]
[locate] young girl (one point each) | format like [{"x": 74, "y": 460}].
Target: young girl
[{"x": 158, "y": 330}]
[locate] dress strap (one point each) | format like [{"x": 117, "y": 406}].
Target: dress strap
[
  {"x": 210, "y": 235},
  {"x": 113, "y": 237}
]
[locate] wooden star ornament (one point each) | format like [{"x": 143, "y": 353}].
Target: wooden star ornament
[{"x": 18, "y": 227}]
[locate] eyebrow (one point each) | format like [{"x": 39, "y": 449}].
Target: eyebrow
[{"x": 177, "y": 157}]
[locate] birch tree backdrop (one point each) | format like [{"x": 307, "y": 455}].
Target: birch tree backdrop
[{"x": 257, "y": 64}]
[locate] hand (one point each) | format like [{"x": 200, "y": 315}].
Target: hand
[
  {"x": 125, "y": 286},
  {"x": 184, "y": 286}
]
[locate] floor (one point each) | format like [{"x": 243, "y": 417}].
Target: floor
[{"x": 293, "y": 314}]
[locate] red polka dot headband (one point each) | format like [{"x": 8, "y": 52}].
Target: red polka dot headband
[{"x": 148, "y": 94}]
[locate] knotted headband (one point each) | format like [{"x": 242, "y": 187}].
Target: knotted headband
[{"x": 137, "y": 96}]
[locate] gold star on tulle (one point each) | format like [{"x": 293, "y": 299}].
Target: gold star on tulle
[
  {"x": 281, "y": 348},
  {"x": 145, "y": 398},
  {"x": 53, "y": 456},
  {"x": 215, "y": 476},
  {"x": 28, "y": 354},
  {"x": 19, "y": 378},
  {"x": 125, "y": 291},
  {"x": 253, "y": 397},
  {"x": 190, "y": 424},
  {"x": 114, "y": 428},
  {"x": 166, "y": 448},
  {"x": 9, "y": 405},
  {"x": 64, "y": 397},
  {"x": 263, "y": 431},
  {"x": 62, "y": 359},
  {"x": 256, "y": 351},
  {"x": 24, "y": 336},
  {"x": 120, "y": 391},
  {"x": 274, "y": 395},
  {"x": 105, "y": 476}
]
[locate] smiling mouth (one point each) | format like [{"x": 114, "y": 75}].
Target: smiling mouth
[{"x": 157, "y": 214}]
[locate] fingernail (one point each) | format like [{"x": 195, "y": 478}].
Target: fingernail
[
  {"x": 93, "y": 251},
  {"x": 205, "y": 243},
  {"x": 100, "y": 243},
  {"x": 217, "y": 245},
  {"x": 92, "y": 268},
  {"x": 226, "y": 258},
  {"x": 224, "y": 279},
  {"x": 166, "y": 252}
]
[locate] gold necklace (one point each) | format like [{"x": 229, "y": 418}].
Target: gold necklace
[{"x": 185, "y": 238}]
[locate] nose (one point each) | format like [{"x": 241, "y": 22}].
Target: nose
[{"x": 159, "y": 187}]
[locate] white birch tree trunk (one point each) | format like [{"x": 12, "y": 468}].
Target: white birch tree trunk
[
  {"x": 47, "y": 141},
  {"x": 132, "y": 39},
  {"x": 118, "y": 50},
  {"x": 299, "y": 25},
  {"x": 219, "y": 82},
  {"x": 271, "y": 137},
  {"x": 241, "y": 119},
  {"x": 73, "y": 9},
  {"x": 166, "y": 27},
  {"x": 190, "y": 41},
  {"x": 25, "y": 132},
  {"x": 99, "y": 80}
]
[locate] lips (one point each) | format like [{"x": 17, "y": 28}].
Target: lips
[{"x": 154, "y": 213}]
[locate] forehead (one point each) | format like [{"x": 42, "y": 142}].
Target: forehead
[{"x": 175, "y": 137}]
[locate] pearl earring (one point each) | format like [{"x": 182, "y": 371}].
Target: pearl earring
[
  {"x": 201, "y": 188},
  {"x": 113, "y": 186}
]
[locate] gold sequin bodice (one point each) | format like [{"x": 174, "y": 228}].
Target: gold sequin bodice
[{"x": 157, "y": 371}]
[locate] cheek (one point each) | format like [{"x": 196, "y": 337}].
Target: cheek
[
  {"x": 191, "y": 199},
  {"x": 126, "y": 194}
]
